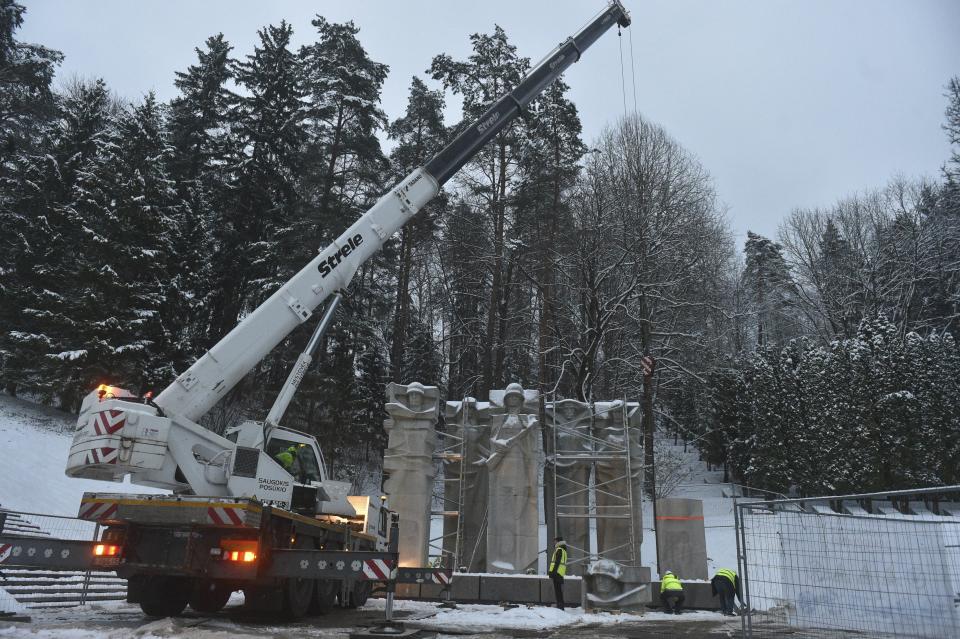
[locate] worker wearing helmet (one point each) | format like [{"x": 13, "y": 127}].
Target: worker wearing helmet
[
  {"x": 671, "y": 593},
  {"x": 287, "y": 457},
  {"x": 557, "y": 570}
]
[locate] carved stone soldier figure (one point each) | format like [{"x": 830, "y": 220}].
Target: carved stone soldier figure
[
  {"x": 569, "y": 421},
  {"x": 470, "y": 420},
  {"x": 616, "y": 435},
  {"x": 512, "y": 517},
  {"x": 610, "y": 586},
  {"x": 408, "y": 464}
]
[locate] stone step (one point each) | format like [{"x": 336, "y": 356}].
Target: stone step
[
  {"x": 33, "y": 574},
  {"x": 28, "y": 585},
  {"x": 71, "y": 600}
]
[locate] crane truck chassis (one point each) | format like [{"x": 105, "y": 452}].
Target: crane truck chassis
[{"x": 293, "y": 541}]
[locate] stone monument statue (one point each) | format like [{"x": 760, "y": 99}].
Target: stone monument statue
[
  {"x": 614, "y": 434},
  {"x": 569, "y": 423},
  {"x": 468, "y": 420},
  {"x": 408, "y": 464},
  {"x": 512, "y": 467}
]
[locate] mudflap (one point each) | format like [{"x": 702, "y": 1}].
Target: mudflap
[{"x": 263, "y": 598}]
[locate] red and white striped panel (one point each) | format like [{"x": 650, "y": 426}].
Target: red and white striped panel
[
  {"x": 5, "y": 550},
  {"x": 224, "y": 516},
  {"x": 102, "y": 455},
  {"x": 97, "y": 510},
  {"x": 376, "y": 569},
  {"x": 107, "y": 422},
  {"x": 442, "y": 577}
]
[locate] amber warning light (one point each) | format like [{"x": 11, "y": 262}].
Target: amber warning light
[
  {"x": 106, "y": 550},
  {"x": 243, "y": 552}
]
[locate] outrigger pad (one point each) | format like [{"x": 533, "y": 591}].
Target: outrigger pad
[{"x": 391, "y": 629}]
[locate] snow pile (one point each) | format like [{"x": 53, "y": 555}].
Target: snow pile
[
  {"x": 485, "y": 618},
  {"x": 34, "y": 445}
]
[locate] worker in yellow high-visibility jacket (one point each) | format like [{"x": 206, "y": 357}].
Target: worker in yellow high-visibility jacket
[
  {"x": 726, "y": 583},
  {"x": 671, "y": 593},
  {"x": 557, "y": 569}
]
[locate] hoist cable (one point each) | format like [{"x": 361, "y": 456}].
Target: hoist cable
[
  {"x": 623, "y": 80},
  {"x": 633, "y": 73}
]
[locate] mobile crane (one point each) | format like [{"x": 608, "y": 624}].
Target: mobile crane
[{"x": 237, "y": 519}]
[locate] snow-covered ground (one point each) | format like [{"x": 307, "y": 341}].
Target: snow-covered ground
[
  {"x": 34, "y": 445},
  {"x": 120, "y": 620},
  {"x": 483, "y": 618}
]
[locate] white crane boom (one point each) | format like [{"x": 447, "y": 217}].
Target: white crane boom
[
  {"x": 194, "y": 392},
  {"x": 159, "y": 443}
]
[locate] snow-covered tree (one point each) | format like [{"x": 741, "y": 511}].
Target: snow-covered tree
[
  {"x": 40, "y": 245},
  {"x": 122, "y": 301}
]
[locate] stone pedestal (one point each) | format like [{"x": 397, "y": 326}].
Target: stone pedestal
[
  {"x": 512, "y": 464},
  {"x": 469, "y": 420},
  {"x": 408, "y": 464},
  {"x": 683, "y": 541},
  {"x": 616, "y": 433},
  {"x": 568, "y": 422}
]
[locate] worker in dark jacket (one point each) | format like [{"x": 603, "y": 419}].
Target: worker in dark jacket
[
  {"x": 558, "y": 568},
  {"x": 671, "y": 593},
  {"x": 726, "y": 583}
]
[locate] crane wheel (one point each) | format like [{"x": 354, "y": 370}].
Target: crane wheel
[
  {"x": 297, "y": 597},
  {"x": 163, "y": 596},
  {"x": 209, "y": 596},
  {"x": 360, "y": 593},
  {"x": 324, "y": 596}
]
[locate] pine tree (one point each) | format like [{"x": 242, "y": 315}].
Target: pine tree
[
  {"x": 126, "y": 210},
  {"x": 419, "y": 134},
  {"x": 199, "y": 125},
  {"x": 42, "y": 249},
  {"x": 254, "y": 225},
  {"x": 345, "y": 166},
  {"x": 767, "y": 280},
  {"x": 549, "y": 162},
  {"x": 837, "y": 269},
  {"x": 26, "y": 72},
  {"x": 493, "y": 68},
  {"x": 27, "y": 107}
]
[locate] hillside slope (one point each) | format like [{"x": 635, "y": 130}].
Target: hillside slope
[{"x": 34, "y": 445}]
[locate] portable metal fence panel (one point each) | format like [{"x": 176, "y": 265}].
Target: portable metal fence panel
[{"x": 810, "y": 568}]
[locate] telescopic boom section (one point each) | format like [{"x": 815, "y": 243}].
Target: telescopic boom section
[
  {"x": 451, "y": 159},
  {"x": 196, "y": 391}
]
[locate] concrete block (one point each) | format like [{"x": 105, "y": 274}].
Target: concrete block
[
  {"x": 520, "y": 589},
  {"x": 683, "y": 540},
  {"x": 465, "y": 587},
  {"x": 571, "y": 591},
  {"x": 697, "y": 596}
]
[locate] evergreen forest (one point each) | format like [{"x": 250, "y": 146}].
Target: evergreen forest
[{"x": 134, "y": 234}]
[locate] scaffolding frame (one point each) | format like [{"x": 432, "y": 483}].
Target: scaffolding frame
[
  {"x": 603, "y": 450},
  {"x": 451, "y": 448}
]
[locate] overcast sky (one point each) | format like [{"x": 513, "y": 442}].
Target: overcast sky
[{"x": 787, "y": 103}]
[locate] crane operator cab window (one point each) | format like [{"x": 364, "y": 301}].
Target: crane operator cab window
[{"x": 297, "y": 459}]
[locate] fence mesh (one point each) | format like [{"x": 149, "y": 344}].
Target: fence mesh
[{"x": 881, "y": 565}]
